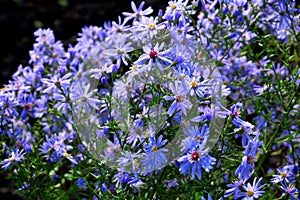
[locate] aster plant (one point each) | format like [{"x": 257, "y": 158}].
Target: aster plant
[{"x": 200, "y": 100}]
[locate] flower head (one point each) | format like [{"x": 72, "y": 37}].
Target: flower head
[
  {"x": 194, "y": 160},
  {"x": 155, "y": 156},
  {"x": 15, "y": 156},
  {"x": 284, "y": 175},
  {"x": 81, "y": 183},
  {"x": 155, "y": 55},
  {"x": 253, "y": 191},
  {"x": 180, "y": 99},
  {"x": 138, "y": 13}
]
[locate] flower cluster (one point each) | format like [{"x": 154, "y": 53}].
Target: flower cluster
[{"x": 199, "y": 101}]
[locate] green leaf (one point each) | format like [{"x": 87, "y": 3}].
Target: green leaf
[
  {"x": 286, "y": 138},
  {"x": 197, "y": 195},
  {"x": 295, "y": 70}
]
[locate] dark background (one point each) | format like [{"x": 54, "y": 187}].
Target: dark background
[{"x": 20, "y": 18}]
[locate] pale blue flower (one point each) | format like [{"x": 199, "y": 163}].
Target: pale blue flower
[
  {"x": 82, "y": 96},
  {"x": 194, "y": 160},
  {"x": 253, "y": 191},
  {"x": 15, "y": 156},
  {"x": 138, "y": 13},
  {"x": 155, "y": 55},
  {"x": 155, "y": 155},
  {"x": 180, "y": 99}
]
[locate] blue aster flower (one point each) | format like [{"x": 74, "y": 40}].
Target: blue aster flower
[
  {"x": 171, "y": 183},
  {"x": 46, "y": 50},
  {"x": 15, "y": 156},
  {"x": 290, "y": 190},
  {"x": 138, "y": 132},
  {"x": 138, "y": 13},
  {"x": 71, "y": 158},
  {"x": 180, "y": 100},
  {"x": 103, "y": 187},
  {"x": 51, "y": 84},
  {"x": 54, "y": 148},
  {"x": 235, "y": 188},
  {"x": 253, "y": 191},
  {"x": 285, "y": 174},
  {"x": 83, "y": 97},
  {"x": 284, "y": 18},
  {"x": 8, "y": 104},
  {"x": 147, "y": 27},
  {"x": 62, "y": 104},
  {"x": 81, "y": 183},
  {"x": 43, "y": 36},
  {"x": 207, "y": 115},
  {"x": 198, "y": 87},
  {"x": 40, "y": 107},
  {"x": 234, "y": 111},
  {"x": 155, "y": 55},
  {"x": 55, "y": 177},
  {"x": 247, "y": 165},
  {"x": 194, "y": 160},
  {"x": 246, "y": 127},
  {"x": 27, "y": 101},
  {"x": 195, "y": 136},
  {"x": 95, "y": 197},
  {"x": 115, "y": 27},
  {"x": 119, "y": 49},
  {"x": 175, "y": 10},
  {"x": 122, "y": 178},
  {"x": 155, "y": 155}
]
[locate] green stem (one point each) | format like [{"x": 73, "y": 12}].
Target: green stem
[{"x": 275, "y": 134}]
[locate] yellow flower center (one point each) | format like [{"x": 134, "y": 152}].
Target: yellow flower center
[
  {"x": 19, "y": 124},
  {"x": 134, "y": 67},
  {"x": 250, "y": 193},
  {"x": 66, "y": 155},
  {"x": 173, "y": 7},
  {"x": 5, "y": 88},
  {"x": 146, "y": 134},
  {"x": 283, "y": 174},
  {"x": 194, "y": 84},
  {"x": 155, "y": 148},
  {"x": 151, "y": 26},
  {"x": 182, "y": 76},
  {"x": 199, "y": 138}
]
